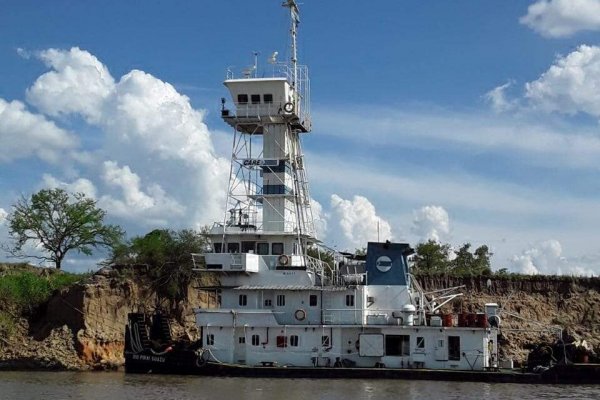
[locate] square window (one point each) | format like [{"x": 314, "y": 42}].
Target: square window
[
  {"x": 268, "y": 98},
  {"x": 218, "y": 247},
  {"x": 233, "y": 247},
  {"x": 268, "y": 303},
  {"x": 312, "y": 300},
  {"x": 242, "y": 98},
  {"x": 277, "y": 249},
  {"x": 262, "y": 249},
  {"x": 282, "y": 341},
  {"x": 397, "y": 345},
  {"x": 243, "y": 300},
  {"x": 255, "y": 98}
]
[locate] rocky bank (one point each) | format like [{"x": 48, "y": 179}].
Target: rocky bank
[{"x": 82, "y": 327}]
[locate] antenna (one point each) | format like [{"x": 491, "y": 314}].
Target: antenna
[
  {"x": 295, "y": 18},
  {"x": 273, "y": 58},
  {"x": 255, "y": 63}
]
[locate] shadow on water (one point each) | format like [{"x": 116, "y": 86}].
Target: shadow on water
[{"x": 117, "y": 386}]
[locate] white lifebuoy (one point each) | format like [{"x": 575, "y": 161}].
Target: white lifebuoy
[
  {"x": 283, "y": 259},
  {"x": 288, "y": 107},
  {"x": 300, "y": 314}
]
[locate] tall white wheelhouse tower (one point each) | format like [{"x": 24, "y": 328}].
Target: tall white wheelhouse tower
[
  {"x": 268, "y": 211},
  {"x": 268, "y": 189}
]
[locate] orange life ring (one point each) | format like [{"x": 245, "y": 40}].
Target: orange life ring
[
  {"x": 283, "y": 259},
  {"x": 300, "y": 314}
]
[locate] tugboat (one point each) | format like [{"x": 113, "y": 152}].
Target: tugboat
[
  {"x": 285, "y": 306},
  {"x": 281, "y": 303}
]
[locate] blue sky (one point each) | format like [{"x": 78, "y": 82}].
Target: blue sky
[{"x": 461, "y": 121}]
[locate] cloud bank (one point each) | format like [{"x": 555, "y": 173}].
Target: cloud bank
[{"x": 146, "y": 133}]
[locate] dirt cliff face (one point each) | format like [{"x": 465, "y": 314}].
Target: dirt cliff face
[
  {"x": 533, "y": 309},
  {"x": 82, "y": 327}
]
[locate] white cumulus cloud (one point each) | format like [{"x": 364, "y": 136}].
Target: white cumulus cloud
[
  {"x": 358, "y": 222},
  {"x": 25, "y": 134},
  {"x": 547, "y": 258},
  {"x": 562, "y": 18},
  {"x": 78, "y": 83},
  {"x": 144, "y": 125},
  {"x": 153, "y": 204},
  {"x": 431, "y": 222},
  {"x": 570, "y": 85}
]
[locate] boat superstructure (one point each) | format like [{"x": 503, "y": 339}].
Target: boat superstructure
[{"x": 280, "y": 303}]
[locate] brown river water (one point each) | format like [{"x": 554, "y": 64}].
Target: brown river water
[{"x": 116, "y": 386}]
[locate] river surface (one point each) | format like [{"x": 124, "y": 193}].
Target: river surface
[{"x": 116, "y": 386}]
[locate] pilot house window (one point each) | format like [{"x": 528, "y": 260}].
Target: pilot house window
[
  {"x": 277, "y": 249},
  {"x": 268, "y": 98},
  {"x": 255, "y": 98},
  {"x": 262, "y": 249},
  {"x": 233, "y": 247},
  {"x": 242, "y": 98}
]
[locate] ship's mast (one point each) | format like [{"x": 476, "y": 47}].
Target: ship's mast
[{"x": 295, "y": 20}]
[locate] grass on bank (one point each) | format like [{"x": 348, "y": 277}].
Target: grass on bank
[{"x": 23, "y": 291}]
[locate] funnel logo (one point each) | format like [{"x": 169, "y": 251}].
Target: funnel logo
[{"x": 384, "y": 263}]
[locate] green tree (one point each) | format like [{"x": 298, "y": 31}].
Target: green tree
[
  {"x": 167, "y": 254},
  {"x": 463, "y": 262},
  {"x": 476, "y": 263},
  {"x": 482, "y": 260},
  {"x": 431, "y": 257},
  {"x": 59, "y": 222}
]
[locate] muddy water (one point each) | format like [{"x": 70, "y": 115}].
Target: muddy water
[{"x": 116, "y": 386}]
